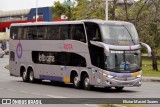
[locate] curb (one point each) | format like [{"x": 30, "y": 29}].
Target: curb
[
  {"x": 116, "y": 105},
  {"x": 150, "y": 79}
]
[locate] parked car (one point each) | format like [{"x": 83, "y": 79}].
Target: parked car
[
  {"x": 1, "y": 53},
  {"x": 6, "y": 51}
]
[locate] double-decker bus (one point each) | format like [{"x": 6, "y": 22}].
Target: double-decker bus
[{"x": 86, "y": 53}]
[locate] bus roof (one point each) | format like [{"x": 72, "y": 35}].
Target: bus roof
[
  {"x": 70, "y": 22},
  {"x": 46, "y": 23},
  {"x": 106, "y": 22}
]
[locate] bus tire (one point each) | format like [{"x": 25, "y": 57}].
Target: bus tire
[
  {"x": 76, "y": 82},
  {"x": 86, "y": 84},
  {"x": 119, "y": 88},
  {"x": 25, "y": 75},
  {"x": 31, "y": 76}
]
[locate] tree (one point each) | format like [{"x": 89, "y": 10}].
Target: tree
[
  {"x": 89, "y": 9},
  {"x": 145, "y": 15},
  {"x": 58, "y": 10},
  {"x": 112, "y": 9}
]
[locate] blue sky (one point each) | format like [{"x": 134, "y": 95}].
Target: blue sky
[{"x": 7, "y": 5}]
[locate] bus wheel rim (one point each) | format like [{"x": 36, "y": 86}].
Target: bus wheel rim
[
  {"x": 31, "y": 76},
  {"x": 24, "y": 75},
  {"x": 76, "y": 81},
  {"x": 86, "y": 82}
]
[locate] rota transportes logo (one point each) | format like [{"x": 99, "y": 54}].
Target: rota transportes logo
[{"x": 19, "y": 50}]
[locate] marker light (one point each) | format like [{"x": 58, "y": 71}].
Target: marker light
[{"x": 110, "y": 76}]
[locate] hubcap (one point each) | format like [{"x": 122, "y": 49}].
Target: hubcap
[
  {"x": 31, "y": 76},
  {"x": 86, "y": 82},
  {"x": 76, "y": 81},
  {"x": 24, "y": 75}
]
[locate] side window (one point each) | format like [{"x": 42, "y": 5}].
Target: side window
[
  {"x": 78, "y": 33},
  {"x": 53, "y": 32},
  {"x": 14, "y": 32},
  {"x": 58, "y": 58},
  {"x": 93, "y": 32},
  {"x": 41, "y": 32},
  {"x": 25, "y": 33},
  {"x": 22, "y": 33},
  {"x": 65, "y": 32},
  {"x": 76, "y": 60},
  {"x": 32, "y": 33}
]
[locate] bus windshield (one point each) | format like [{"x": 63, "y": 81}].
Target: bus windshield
[
  {"x": 119, "y": 34},
  {"x": 127, "y": 61}
]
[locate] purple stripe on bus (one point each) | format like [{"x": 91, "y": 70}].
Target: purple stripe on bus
[
  {"x": 54, "y": 78},
  {"x": 120, "y": 74}
]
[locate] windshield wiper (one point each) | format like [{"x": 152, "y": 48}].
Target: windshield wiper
[{"x": 129, "y": 34}]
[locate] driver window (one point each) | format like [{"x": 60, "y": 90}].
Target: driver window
[{"x": 93, "y": 32}]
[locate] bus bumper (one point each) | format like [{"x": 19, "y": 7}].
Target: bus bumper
[{"x": 125, "y": 82}]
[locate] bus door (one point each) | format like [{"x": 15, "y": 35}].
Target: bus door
[{"x": 96, "y": 52}]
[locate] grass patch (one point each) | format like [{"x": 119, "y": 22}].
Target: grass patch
[
  {"x": 147, "y": 68},
  {"x": 133, "y": 105},
  {"x": 123, "y": 105}
]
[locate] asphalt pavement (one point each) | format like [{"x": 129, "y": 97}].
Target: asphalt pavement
[{"x": 13, "y": 87}]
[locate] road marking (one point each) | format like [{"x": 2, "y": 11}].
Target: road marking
[
  {"x": 35, "y": 93},
  {"x": 26, "y": 92},
  {"x": 53, "y": 96},
  {"x": 11, "y": 90},
  {"x": 91, "y": 105}
]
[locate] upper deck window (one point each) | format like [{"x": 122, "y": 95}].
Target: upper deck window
[
  {"x": 119, "y": 34},
  {"x": 49, "y": 32}
]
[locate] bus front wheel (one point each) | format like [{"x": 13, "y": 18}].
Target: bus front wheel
[{"x": 86, "y": 82}]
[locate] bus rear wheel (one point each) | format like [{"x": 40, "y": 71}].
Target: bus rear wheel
[
  {"x": 31, "y": 76},
  {"x": 86, "y": 82},
  {"x": 25, "y": 76},
  {"x": 76, "y": 82}
]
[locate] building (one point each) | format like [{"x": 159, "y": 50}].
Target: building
[{"x": 22, "y": 16}]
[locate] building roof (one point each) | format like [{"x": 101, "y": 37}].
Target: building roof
[{"x": 14, "y": 13}]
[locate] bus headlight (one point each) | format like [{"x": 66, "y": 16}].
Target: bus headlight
[
  {"x": 138, "y": 76},
  {"x": 103, "y": 73},
  {"x": 110, "y": 76}
]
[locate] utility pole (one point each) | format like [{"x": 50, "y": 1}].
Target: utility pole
[
  {"x": 69, "y": 11},
  {"x": 68, "y": 4},
  {"x": 106, "y": 10},
  {"x": 36, "y": 10}
]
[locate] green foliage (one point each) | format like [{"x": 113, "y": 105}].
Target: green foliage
[
  {"x": 123, "y": 105},
  {"x": 147, "y": 68},
  {"x": 93, "y": 9},
  {"x": 58, "y": 10}
]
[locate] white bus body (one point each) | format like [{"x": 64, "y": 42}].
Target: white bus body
[{"x": 85, "y": 53}]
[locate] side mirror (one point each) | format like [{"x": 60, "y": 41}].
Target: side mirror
[
  {"x": 103, "y": 45},
  {"x": 148, "y": 48}
]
